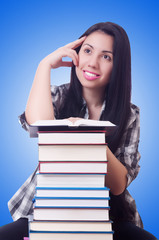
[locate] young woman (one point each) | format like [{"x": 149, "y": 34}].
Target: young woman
[{"x": 100, "y": 88}]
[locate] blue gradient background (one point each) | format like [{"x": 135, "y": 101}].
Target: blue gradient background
[{"x": 29, "y": 31}]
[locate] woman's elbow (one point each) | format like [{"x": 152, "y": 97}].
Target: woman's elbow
[{"x": 119, "y": 188}]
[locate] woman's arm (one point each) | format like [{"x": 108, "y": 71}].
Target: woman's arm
[
  {"x": 123, "y": 166},
  {"x": 116, "y": 179},
  {"x": 39, "y": 105}
]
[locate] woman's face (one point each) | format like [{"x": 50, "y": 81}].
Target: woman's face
[{"x": 95, "y": 60}]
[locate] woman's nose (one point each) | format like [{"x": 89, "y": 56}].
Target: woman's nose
[{"x": 93, "y": 62}]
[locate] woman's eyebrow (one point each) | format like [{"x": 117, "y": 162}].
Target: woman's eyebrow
[{"x": 104, "y": 51}]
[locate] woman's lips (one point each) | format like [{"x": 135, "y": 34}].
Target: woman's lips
[{"x": 90, "y": 75}]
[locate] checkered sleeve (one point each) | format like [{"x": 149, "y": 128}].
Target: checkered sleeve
[
  {"x": 21, "y": 204},
  {"x": 128, "y": 153}
]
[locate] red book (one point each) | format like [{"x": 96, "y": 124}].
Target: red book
[
  {"x": 72, "y": 152},
  {"x": 73, "y": 167}
]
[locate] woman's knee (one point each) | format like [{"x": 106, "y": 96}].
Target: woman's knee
[
  {"x": 15, "y": 230},
  {"x": 128, "y": 230}
]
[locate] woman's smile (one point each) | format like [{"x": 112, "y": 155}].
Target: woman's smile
[{"x": 90, "y": 75}]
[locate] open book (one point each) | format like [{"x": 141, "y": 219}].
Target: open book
[
  {"x": 79, "y": 122},
  {"x": 67, "y": 125}
]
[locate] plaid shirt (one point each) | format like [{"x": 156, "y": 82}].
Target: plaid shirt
[{"x": 123, "y": 206}]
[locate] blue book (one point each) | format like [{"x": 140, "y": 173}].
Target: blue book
[
  {"x": 69, "y": 235},
  {"x": 71, "y": 201},
  {"x": 72, "y": 192}
]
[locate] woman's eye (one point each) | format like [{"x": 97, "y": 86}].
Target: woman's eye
[
  {"x": 107, "y": 57},
  {"x": 87, "y": 50}
]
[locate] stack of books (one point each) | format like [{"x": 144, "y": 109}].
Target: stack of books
[{"x": 71, "y": 200}]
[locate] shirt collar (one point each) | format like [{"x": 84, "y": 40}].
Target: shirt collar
[{"x": 85, "y": 108}]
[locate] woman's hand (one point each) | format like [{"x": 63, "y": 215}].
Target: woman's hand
[
  {"x": 73, "y": 119},
  {"x": 55, "y": 58}
]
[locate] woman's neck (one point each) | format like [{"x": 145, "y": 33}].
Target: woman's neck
[
  {"x": 94, "y": 100},
  {"x": 93, "y": 97}
]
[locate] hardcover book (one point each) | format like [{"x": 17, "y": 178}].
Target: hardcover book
[
  {"x": 72, "y": 192},
  {"x": 70, "y": 180},
  {"x": 88, "y": 226},
  {"x": 50, "y": 235},
  {"x": 73, "y": 167},
  {"x": 72, "y": 152},
  {"x": 71, "y": 213},
  {"x": 65, "y": 125},
  {"x": 68, "y": 137},
  {"x": 71, "y": 202}
]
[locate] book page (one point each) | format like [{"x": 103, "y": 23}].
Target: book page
[
  {"x": 66, "y": 122},
  {"x": 59, "y": 122},
  {"x": 89, "y": 122}
]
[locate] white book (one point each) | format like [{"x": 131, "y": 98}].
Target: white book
[
  {"x": 71, "y": 137},
  {"x": 95, "y": 226},
  {"x": 73, "y": 152},
  {"x": 71, "y": 213},
  {"x": 39, "y": 235},
  {"x": 65, "y": 124},
  {"x": 71, "y": 180},
  {"x": 79, "y": 122},
  {"x": 71, "y": 202},
  {"x": 73, "y": 167},
  {"x": 72, "y": 192}
]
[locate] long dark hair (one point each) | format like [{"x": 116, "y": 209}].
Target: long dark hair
[{"x": 118, "y": 91}]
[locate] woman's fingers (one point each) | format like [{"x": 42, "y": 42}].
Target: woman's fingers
[
  {"x": 66, "y": 64},
  {"x": 55, "y": 59},
  {"x": 76, "y": 43},
  {"x": 71, "y": 54},
  {"x": 73, "y": 119}
]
